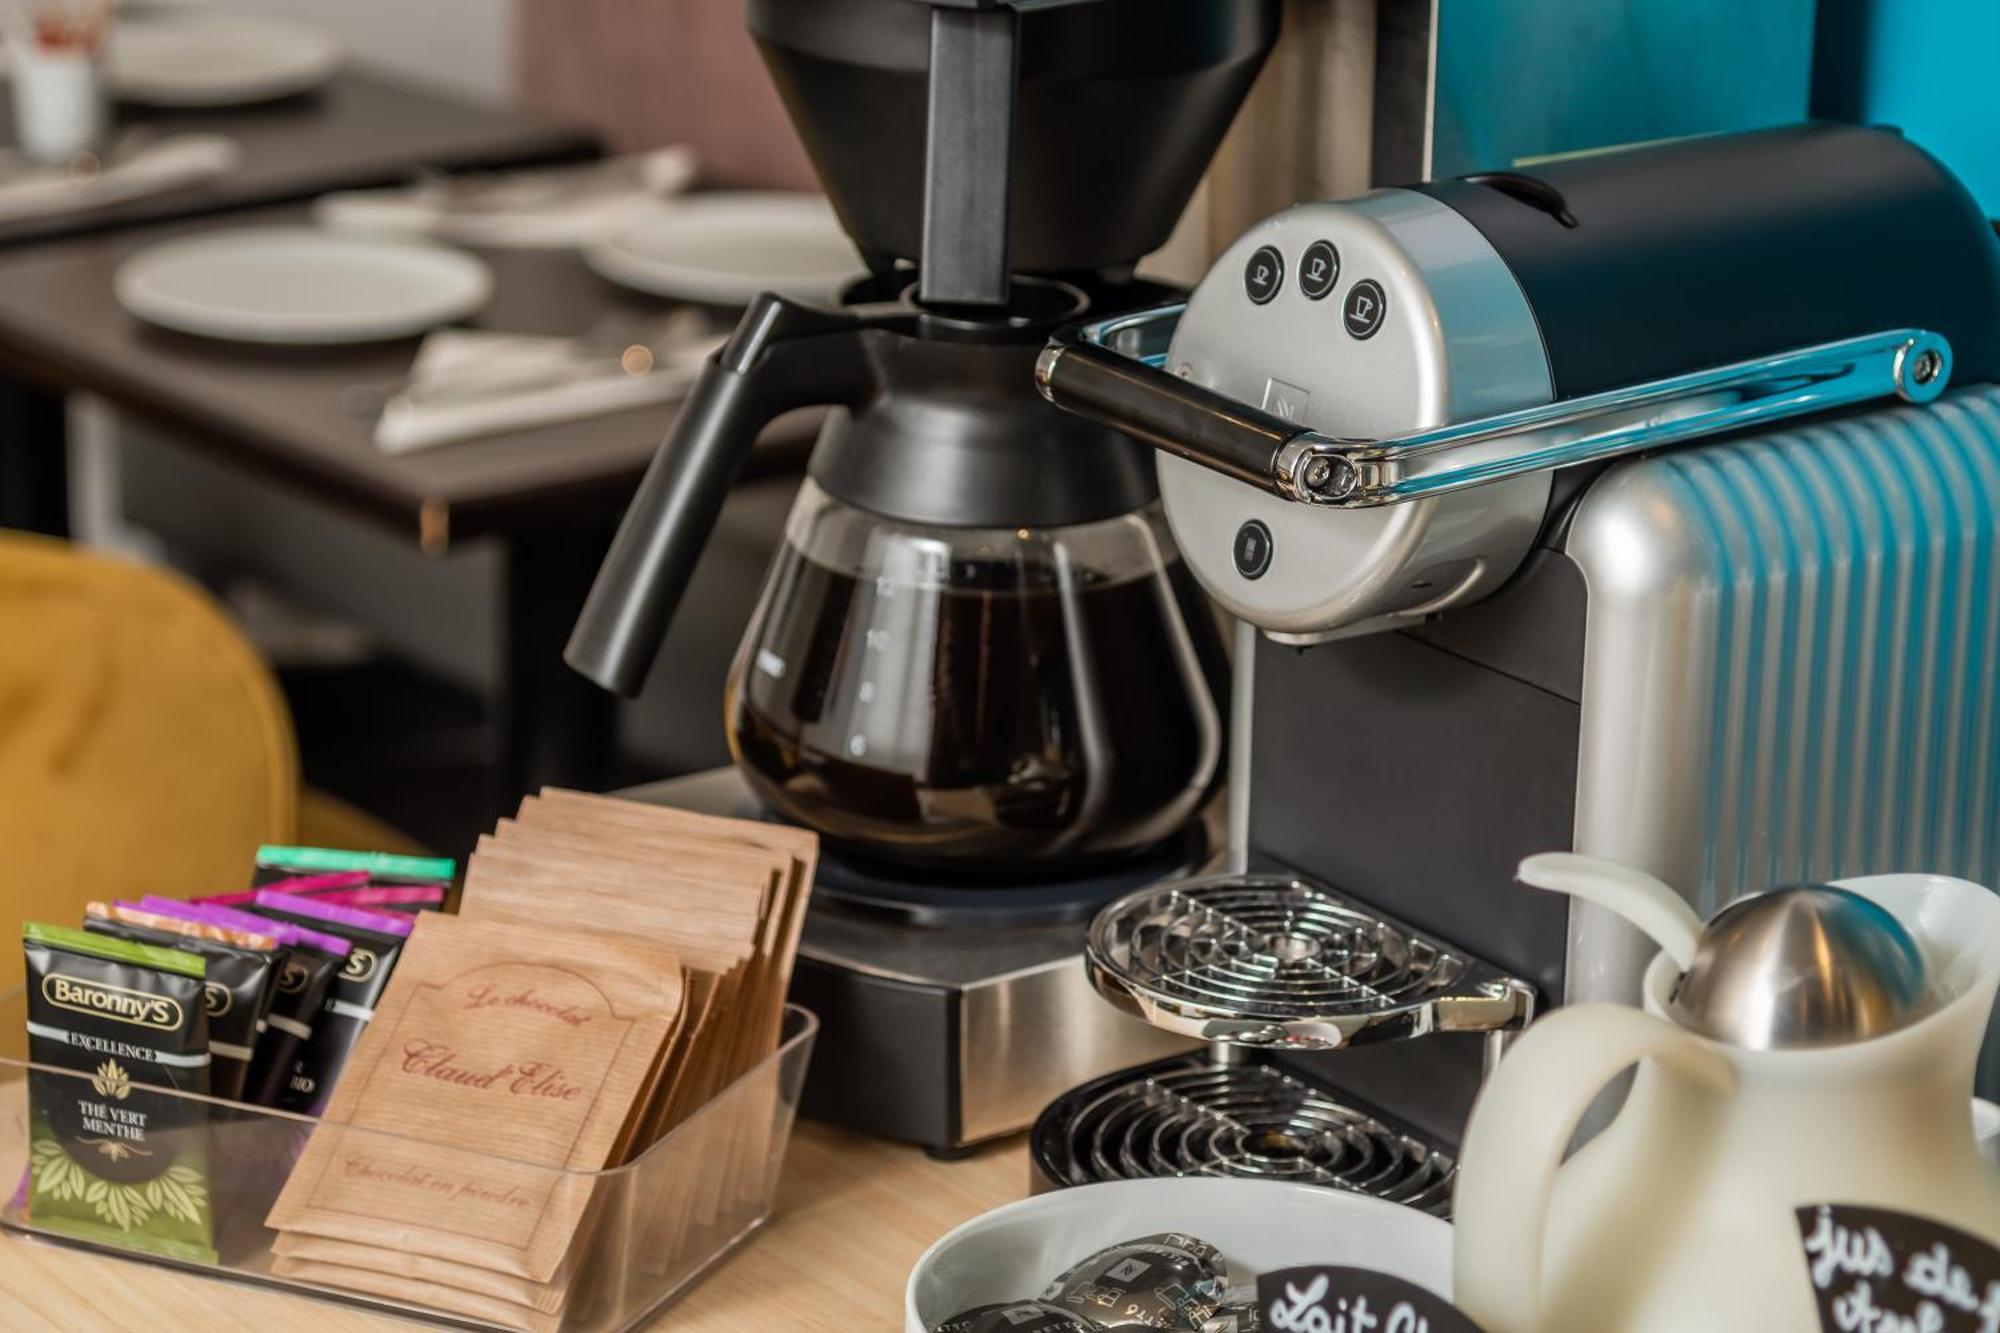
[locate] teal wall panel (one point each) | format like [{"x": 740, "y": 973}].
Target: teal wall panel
[{"x": 1527, "y": 78}]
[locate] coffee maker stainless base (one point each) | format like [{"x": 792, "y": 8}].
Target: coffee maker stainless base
[{"x": 940, "y": 1035}]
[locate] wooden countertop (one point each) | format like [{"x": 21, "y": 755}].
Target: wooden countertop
[{"x": 853, "y": 1215}]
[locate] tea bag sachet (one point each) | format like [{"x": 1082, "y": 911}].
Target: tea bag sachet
[
  {"x": 347, "y": 888},
  {"x": 408, "y": 898},
  {"x": 275, "y": 863},
  {"x": 297, "y": 995},
  {"x": 375, "y": 942},
  {"x": 503, "y": 1061},
  {"x": 310, "y": 884},
  {"x": 241, "y": 967},
  {"x": 108, "y": 1160}
]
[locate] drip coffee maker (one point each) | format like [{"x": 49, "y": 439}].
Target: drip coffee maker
[{"x": 978, "y": 667}]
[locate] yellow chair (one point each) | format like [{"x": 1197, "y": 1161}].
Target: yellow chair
[{"x": 144, "y": 746}]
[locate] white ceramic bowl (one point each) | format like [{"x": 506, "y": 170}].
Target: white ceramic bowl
[{"x": 1012, "y": 1252}]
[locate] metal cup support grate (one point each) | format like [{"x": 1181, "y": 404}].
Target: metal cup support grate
[
  {"x": 1279, "y": 961},
  {"x": 1284, "y": 964},
  {"x": 1194, "y": 1116}
]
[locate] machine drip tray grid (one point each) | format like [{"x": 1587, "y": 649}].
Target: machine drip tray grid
[
  {"x": 1282, "y": 961},
  {"x": 1197, "y": 1116}
]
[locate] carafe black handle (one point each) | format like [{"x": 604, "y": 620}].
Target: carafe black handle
[{"x": 782, "y": 356}]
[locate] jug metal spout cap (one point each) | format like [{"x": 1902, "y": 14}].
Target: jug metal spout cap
[{"x": 1802, "y": 967}]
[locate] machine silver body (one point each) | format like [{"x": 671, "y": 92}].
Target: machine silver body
[{"x": 1762, "y": 658}]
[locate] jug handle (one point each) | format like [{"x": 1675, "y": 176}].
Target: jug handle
[
  {"x": 1521, "y": 1126},
  {"x": 782, "y": 356}
]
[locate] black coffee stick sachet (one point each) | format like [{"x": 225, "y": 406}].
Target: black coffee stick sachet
[
  {"x": 241, "y": 968},
  {"x": 298, "y": 994},
  {"x": 375, "y": 941},
  {"x": 109, "y": 1161}
]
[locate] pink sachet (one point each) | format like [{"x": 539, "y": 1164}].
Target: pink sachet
[{"x": 345, "y": 879}]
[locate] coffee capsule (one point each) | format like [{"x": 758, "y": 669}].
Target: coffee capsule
[
  {"x": 1015, "y": 1317},
  {"x": 108, "y": 1161},
  {"x": 1170, "y": 1281},
  {"x": 375, "y": 941},
  {"x": 235, "y": 991},
  {"x": 1243, "y": 1318}
]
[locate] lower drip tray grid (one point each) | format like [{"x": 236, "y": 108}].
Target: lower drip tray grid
[{"x": 1197, "y": 1116}]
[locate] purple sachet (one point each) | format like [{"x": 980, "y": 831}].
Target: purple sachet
[
  {"x": 291, "y": 904},
  {"x": 398, "y": 898},
  {"x": 285, "y": 932}
]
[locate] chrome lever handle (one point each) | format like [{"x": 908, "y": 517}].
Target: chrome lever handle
[{"x": 1109, "y": 371}]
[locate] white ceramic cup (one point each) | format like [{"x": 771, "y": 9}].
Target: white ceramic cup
[
  {"x": 1259, "y": 1225},
  {"x": 60, "y": 105}
]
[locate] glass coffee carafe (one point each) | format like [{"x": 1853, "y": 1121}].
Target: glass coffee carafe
[
  {"x": 979, "y": 655},
  {"x": 982, "y": 700}
]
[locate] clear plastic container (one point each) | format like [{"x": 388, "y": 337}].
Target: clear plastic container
[{"x": 653, "y": 1228}]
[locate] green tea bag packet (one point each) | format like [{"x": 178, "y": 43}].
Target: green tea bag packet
[{"x": 110, "y": 1162}]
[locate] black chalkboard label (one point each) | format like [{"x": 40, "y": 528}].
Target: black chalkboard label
[
  {"x": 1873, "y": 1269},
  {"x": 1352, "y": 1300}
]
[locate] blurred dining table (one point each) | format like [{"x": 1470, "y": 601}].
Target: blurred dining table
[
  {"x": 361, "y": 129},
  {"x": 550, "y": 496},
  {"x": 278, "y": 414}
]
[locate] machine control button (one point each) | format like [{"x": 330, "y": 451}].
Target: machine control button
[
  {"x": 1264, "y": 274},
  {"x": 1253, "y": 549},
  {"x": 1364, "y": 308},
  {"x": 1319, "y": 269}
]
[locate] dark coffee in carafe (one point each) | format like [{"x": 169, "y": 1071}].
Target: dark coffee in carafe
[{"x": 1043, "y": 719}]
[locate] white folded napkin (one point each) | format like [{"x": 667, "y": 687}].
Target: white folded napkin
[
  {"x": 548, "y": 208},
  {"x": 164, "y": 164},
  {"x": 470, "y": 383}
]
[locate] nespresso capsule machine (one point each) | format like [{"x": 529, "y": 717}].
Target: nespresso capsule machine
[
  {"x": 978, "y": 667},
  {"x": 1645, "y": 504}
]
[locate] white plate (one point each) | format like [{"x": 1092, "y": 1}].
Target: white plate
[
  {"x": 1259, "y": 1225},
  {"x": 725, "y": 248},
  {"x": 299, "y": 286},
  {"x": 214, "y": 59}
]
